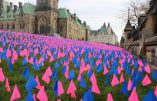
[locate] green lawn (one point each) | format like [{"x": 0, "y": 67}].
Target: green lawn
[{"x": 16, "y": 77}]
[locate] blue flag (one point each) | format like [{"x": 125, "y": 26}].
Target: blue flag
[
  {"x": 29, "y": 97},
  {"x": 55, "y": 87},
  {"x": 99, "y": 68},
  {"x": 124, "y": 89},
  {"x": 31, "y": 83},
  {"x": 88, "y": 96},
  {"x": 90, "y": 73},
  {"x": 54, "y": 74},
  {"x": 107, "y": 80},
  {"x": 83, "y": 82},
  {"x": 24, "y": 62},
  {"x": 78, "y": 64},
  {"x": 71, "y": 75},
  {"x": 150, "y": 97},
  {"x": 10, "y": 66},
  {"x": 64, "y": 70},
  {"x": 25, "y": 73},
  {"x": 154, "y": 75},
  {"x": 56, "y": 65}
]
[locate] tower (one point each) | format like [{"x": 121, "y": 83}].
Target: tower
[
  {"x": 46, "y": 16},
  {"x": 1, "y": 6},
  {"x": 54, "y": 15}
]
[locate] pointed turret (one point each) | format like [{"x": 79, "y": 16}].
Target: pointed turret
[
  {"x": 103, "y": 29},
  {"x": 128, "y": 26}
]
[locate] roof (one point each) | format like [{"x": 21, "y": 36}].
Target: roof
[
  {"x": 128, "y": 26},
  {"x": 94, "y": 32},
  {"x": 63, "y": 13},
  {"x": 29, "y": 8},
  {"x": 103, "y": 29}
]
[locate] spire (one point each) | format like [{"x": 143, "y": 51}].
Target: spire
[
  {"x": 108, "y": 24},
  {"x": 104, "y": 25},
  {"x": 128, "y": 26}
]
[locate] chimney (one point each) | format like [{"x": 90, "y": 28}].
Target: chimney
[
  {"x": 8, "y": 9},
  {"x": 11, "y": 5},
  {"x": 20, "y": 5},
  {"x": 85, "y": 23},
  {"x": 68, "y": 11},
  {"x": 74, "y": 16},
  {"x": 15, "y": 8}
]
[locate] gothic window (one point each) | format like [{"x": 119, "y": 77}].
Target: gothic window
[
  {"x": 7, "y": 26},
  {"x": 13, "y": 26},
  {"x": 156, "y": 24},
  {"x": 22, "y": 24},
  {"x": 1, "y": 26}
]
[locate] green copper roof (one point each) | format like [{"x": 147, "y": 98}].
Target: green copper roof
[
  {"x": 29, "y": 9},
  {"x": 103, "y": 29},
  {"x": 63, "y": 13}
]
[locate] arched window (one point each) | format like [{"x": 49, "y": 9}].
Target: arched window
[
  {"x": 13, "y": 26},
  {"x": 1, "y": 26},
  {"x": 7, "y": 26},
  {"x": 22, "y": 24}
]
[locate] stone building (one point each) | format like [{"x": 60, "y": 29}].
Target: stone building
[
  {"x": 71, "y": 26},
  {"x": 144, "y": 37},
  {"x": 104, "y": 35},
  {"x": 45, "y": 18}
]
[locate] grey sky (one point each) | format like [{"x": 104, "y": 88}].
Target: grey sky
[{"x": 95, "y": 12}]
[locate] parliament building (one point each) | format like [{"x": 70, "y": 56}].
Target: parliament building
[{"x": 45, "y": 18}]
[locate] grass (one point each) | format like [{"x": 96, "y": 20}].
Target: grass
[{"x": 16, "y": 77}]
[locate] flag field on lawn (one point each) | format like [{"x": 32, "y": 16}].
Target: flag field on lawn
[{"x": 35, "y": 67}]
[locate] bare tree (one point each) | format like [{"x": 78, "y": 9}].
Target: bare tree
[{"x": 136, "y": 8}]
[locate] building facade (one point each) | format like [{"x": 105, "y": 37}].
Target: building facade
[
  {"x": 143, "y": 39},
  {"x": 45, "y": 18},
  {"x": 70, "y": 26},
  {"x": 104, "y": 35}
]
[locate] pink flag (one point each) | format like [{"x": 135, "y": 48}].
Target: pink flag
[
  {"x": 105, "y": 70},
  {"x": 129, "y": 85},
  {"x": 42, "y": 95},
  {"x": 51, "y": 59},
  {"x": 147, "y": 69},
  {"x": 2, "y": 77},
  {"x": 8, "y": 53},
  {"x": 60, "y": 88},
  {"x": 71, "y": 88},
  {"x": 79, "y": 77},
  {"x": 140, "y": 68},
  {"x": 121, "y": 78},
  {"x": 109, "y": 97},
  {"x": 47, "y": 74},
  {"x": 46, "y": 78},
  {"x": 49, "y": 71},
  {"x": 146, "y": 81},
  {"x": 115, "y": 81},
  {"x": 73, "y": 95},
  {"x": 95, "y": 88},
  {"x": 39, "y": 85},
  {"x": 31, "y": 61},
  {"x": 133, "y": 96},
  {"x": 7, "y": 86},
  {"x": 93, "y": 79},
  {"x": 120, "y": 69},
  {"x": 16, "y": 94},
  {"x": 155, "y": 92},
  {"x": 34, "y": 97}
]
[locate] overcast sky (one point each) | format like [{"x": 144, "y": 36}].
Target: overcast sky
[{"x": 95, "y": 12}]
